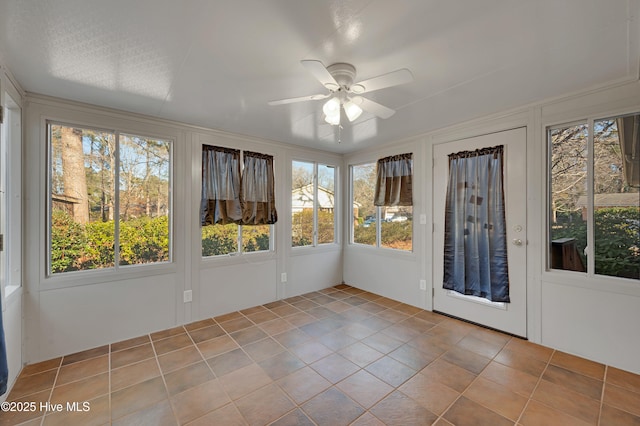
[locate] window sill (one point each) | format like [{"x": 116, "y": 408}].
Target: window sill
[
  {"x": 382, "y": 251},
  {"x": 90, "y": 277},
  {"x": 236, "y": 259},
  {"x": 309, "y": 250}
]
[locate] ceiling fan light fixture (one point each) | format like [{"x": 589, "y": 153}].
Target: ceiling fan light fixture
[
  {"x": 352, "y": 111},
  {"x": 333, "y": 118},
  {"x": 332, "y": 107},
  {"x": 344, "y": 94}
]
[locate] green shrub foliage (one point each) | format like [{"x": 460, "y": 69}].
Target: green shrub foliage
[
  {"x": 68, "y": 243},
  {"x": 617, "y": 240},
  {"x": 302, "y": 228},
  {"x": 77, "y": 247}
]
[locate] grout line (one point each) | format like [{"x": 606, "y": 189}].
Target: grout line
[
  {"x": 55, "y": 380},
  {"x": 109, "y": 378},
  {"x": 604, "y": 385},
  {"x": 460, "y": 394},
  {"x": 166, "y": 388},
  {"x": 215, "y": 376},
  {"x": 526, "y": 405}
]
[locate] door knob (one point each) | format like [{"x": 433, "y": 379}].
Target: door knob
[{"x": 517, "y": 242}]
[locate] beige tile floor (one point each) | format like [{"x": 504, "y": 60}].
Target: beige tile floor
[{"x": 339, "y": 356}]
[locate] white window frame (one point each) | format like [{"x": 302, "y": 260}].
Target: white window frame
[
  {"x": 316, "y": 206},
  {"x": 590, "y": 266},
  {"x": 117, "y": 267},
  {"x": 240, "y": 251},
  {"x": 378, "y": 244},
  {"x": 11, "y": 168}
]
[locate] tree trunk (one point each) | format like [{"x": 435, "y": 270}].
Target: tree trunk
[
  {"x": 146, "y": 183},
  {"x": 74, "y": 175}
]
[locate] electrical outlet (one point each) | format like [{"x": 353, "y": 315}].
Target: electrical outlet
[
  {"x": 423, "y": 284},
  {"x": 187, "y": 296},
  {"x": 283, "y": 277}
]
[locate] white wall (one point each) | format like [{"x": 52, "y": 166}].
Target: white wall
[
  {"x": 12, "y": 322},
  {"x": 593, "y": 317},
  {"x": 12, "y": 300},
  {"x": 76, "y": 311},
  {"x": 391, "y": 273}
]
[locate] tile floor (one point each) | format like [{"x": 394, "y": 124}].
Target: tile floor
[{"x": 339, "y": 356}]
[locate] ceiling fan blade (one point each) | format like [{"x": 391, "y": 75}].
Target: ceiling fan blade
[
  {"x": 373, "y": 107},
  {"x": 300, "y": 99},
  {"x": 393, "y": 78},
  {"x": 320, "y": 72}
]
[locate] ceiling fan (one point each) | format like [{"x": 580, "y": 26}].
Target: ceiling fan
[{"x": 344, "y": 93}]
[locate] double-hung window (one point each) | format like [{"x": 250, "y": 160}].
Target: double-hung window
[
  {"x": 109, "y": 199},
  {"x": 313, "y": 204},
  {"x": 594, "y": 199}
]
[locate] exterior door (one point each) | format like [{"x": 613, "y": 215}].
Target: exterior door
[{"x": 509, "y": 317}]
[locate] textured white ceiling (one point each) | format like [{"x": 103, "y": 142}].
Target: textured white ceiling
[{"x": 217, "y": 63}]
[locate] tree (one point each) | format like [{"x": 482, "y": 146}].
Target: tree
[
  {"x": 73, "y": 172},
  {"x": 364, "y": 184},
  {"x": 568, "y": 168},
  {"x": 569, "y": 165},
  {"x": 100, "y": 174},
  {"x": 301, "y": 175}
]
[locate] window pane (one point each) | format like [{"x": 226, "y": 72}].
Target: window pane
[
  {"x": 363, "y": 186},
  {"x": 616, "y": 199},
  {"x": 219, "y": 239},
  {"x": 302, "y": 196},
  {"x": 144, "y": 200},
  {"x": 326, "y": 210},
  {"x": 396, "y": 227},
  {"x": 568, "y": 202},
  {"x": 255, "y": 238},
  {"x": 81, "y": 180}
]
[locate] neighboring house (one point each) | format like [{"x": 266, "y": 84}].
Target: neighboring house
[
  {"x": 302, "y": 199},
  {"x": 600, "y": 201}
]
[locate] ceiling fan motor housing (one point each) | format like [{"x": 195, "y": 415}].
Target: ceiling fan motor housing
[{"x": 343, "y": 74}]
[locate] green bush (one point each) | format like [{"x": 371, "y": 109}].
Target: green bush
[
  {"x": 144, "y": 240},
  {"x": 255, "y": 238},
  {"x": 219, "y": 239},
  {"x": 79, "y": 247},
  {"x": 616, "y": 236},
  {"x": 99, "y": 247},
  {"x": 67, "y": 242},
  {"x": 397, "y": 235},
  {"x": 302, "y": 228},
  {"x": 365, "y": 235}
]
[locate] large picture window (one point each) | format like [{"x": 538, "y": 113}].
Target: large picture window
[
  {"x": 313, "y": 210},
  {"x": 109, "y": 199},
  {"x": 594, "y": 205},
  {"x": 378, "y": 226}
]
